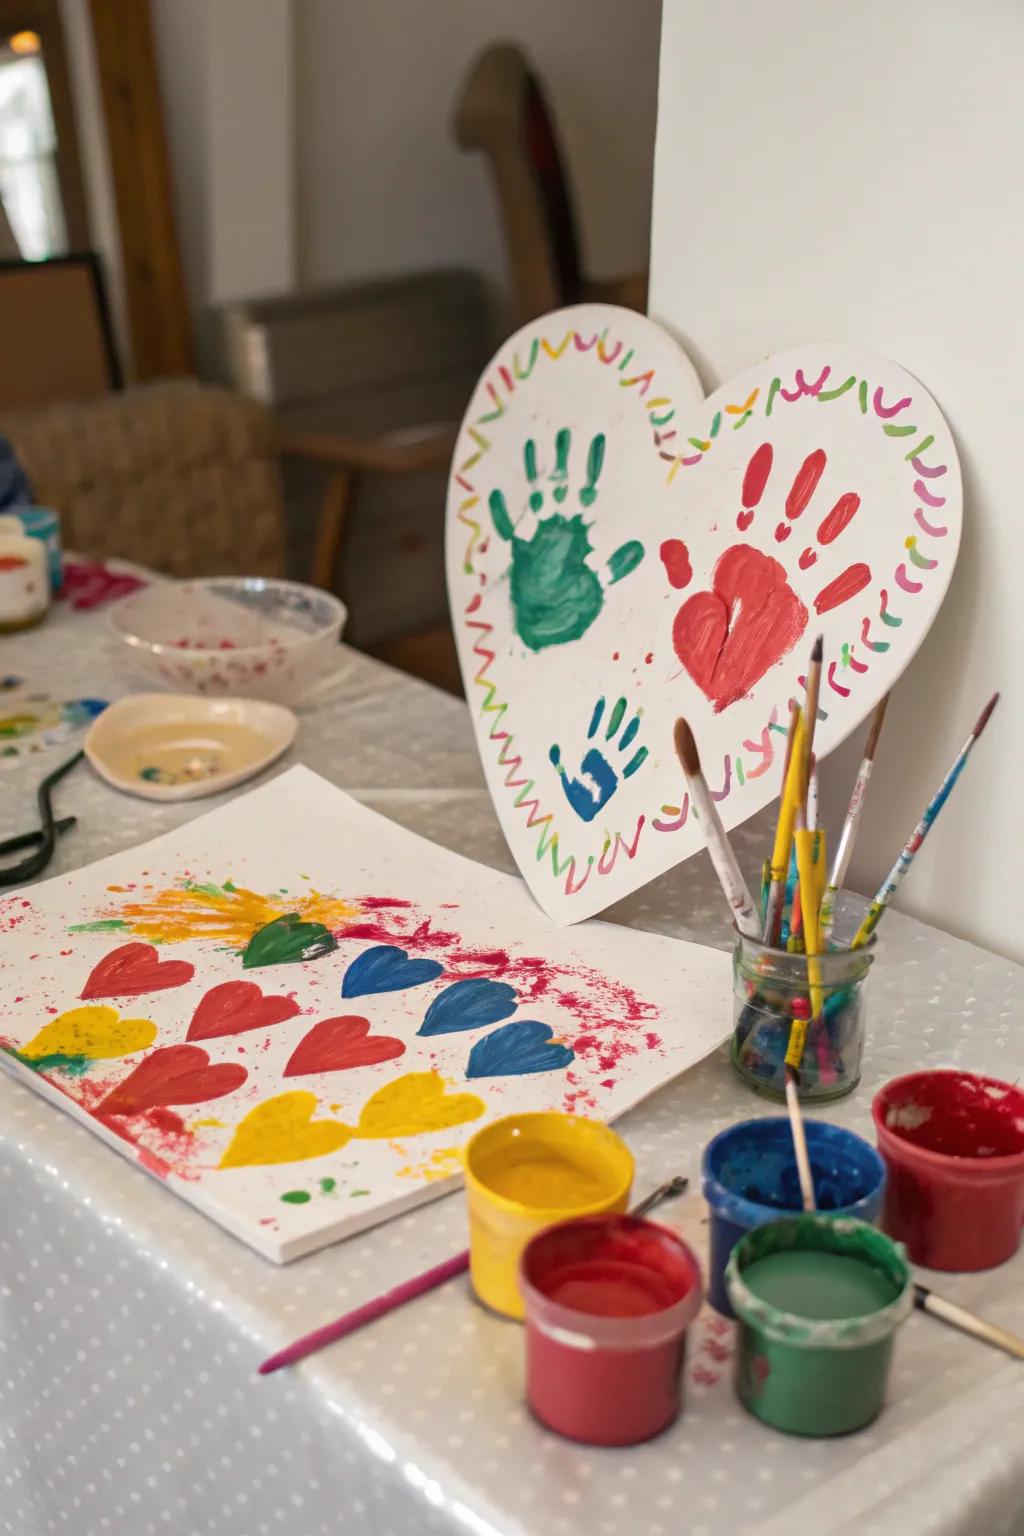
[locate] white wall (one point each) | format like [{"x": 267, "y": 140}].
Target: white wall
[
  {"x": 850, "y": 172},
  {"x": 227, "y": 74},
  {"x": 381, "y": 185}
]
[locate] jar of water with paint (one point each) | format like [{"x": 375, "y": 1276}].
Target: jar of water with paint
[{"x": 779, "y": 995}]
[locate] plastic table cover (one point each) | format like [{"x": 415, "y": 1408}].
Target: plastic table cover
[{"x": 132, "y": 1326}]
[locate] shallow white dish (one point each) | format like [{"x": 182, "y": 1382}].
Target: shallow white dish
[
  {"x": 169, "y": 746},
  {"x": 242, "y": 636}
]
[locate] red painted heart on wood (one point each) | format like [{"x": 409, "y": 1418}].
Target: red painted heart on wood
[
  {"x": 334, "y": 1045},
  {"x": 135, "y": 968},
  {"x": 237, "y": 1006},
  {"x": 175, "y": 1074},
  {"x": 728, "y": 638}
]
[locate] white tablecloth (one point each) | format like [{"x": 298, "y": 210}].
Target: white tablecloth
[{"x": 130, "y": 1327}]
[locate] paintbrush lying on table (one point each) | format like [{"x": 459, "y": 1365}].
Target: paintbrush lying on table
[{"x": 419, "y": 1285}]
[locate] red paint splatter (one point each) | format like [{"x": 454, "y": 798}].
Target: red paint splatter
[
  {"x": 716, "y": 1349},
  {"x": 378, "y": 903},
  {"x": 615, "y": 655},
  {"x": 649, "y": 657}
]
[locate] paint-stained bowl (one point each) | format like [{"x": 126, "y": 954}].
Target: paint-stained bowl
[
  {"x": 814, "y": 1343},
  {"x": 953, "y": 1143},
  {"x": 245, "y": 636},
  {"x": 526, "y": 1172},
  {"x": 608, "y": 1303},
  {"x": 750, "y": 1177}
]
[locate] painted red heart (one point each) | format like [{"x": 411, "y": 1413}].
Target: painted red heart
[
  {"x": 175, "y": 1074},
  {"x": 135, "y": 968},
  {"x": 334, "y": 1045},
  {"x": 237, "y": 1006},
  {"x": 728, "y": 638}
]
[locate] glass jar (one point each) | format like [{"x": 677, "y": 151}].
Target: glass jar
[{"x": 771, "y": 988}]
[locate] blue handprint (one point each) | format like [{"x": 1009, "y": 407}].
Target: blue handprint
[{"x": 598, "y": 780}]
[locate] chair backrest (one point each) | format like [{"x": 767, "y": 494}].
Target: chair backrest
[
  {"x": 502, "y": 111},
  {"x": 176, "y": 475},
  {"x": 57, "y": 335}
]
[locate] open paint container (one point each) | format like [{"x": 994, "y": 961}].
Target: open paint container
[
  {"x": 524, "y": 1173},
  {"x": 608, "y": 1303},
  {"x": 953, "y": 1143},
  {"x": 750, "y": 1177},
  {"x": 819, "y": 1300}
]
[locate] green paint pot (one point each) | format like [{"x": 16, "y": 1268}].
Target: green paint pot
[{"x": 818, "y": 1299}]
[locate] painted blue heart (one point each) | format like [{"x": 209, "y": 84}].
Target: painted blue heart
[
  {"x": 386, "y": 968},
  {"x": 469, "y": 1004},
  {"x": 516, "y": 1049}
]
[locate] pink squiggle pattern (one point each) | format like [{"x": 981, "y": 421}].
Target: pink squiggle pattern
[
  {"x": 720, "y": 794},
  {"x": 765, "y": 746},
  {"x": 844, "y": 693},
  {"x": 888, "y": 411},
  {"x": 802, "y": 387},
  {"x": 930, "y": 528},
  {"x": 929, "y": 474},
  {"x": 680, "y": 821},
  {"x": 858, "y": 666},
  {"x": 925, "y": 495},
  {"x": 572, "y": 886},
  {"x": 584, "y": 346},
  {"x": 904, "y": 581},
  {"x": 605, "y": 355},
  {"x": 606, "y": 865}
]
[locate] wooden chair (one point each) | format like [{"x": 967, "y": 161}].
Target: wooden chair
[{"x": 502, "y": 112}]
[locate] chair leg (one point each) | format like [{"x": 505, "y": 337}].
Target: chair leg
[{"x": 331, "y": 528}]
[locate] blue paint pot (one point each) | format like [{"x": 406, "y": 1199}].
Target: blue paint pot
[
  {"x": 41, "y": 523},
  {"x": 750, "y": 1178}
]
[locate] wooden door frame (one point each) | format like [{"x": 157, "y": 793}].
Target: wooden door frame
[{"x": 154, "y": 282}]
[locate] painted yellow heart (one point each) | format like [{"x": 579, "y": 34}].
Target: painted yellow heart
[
  {"x": 96, "y": 1032},
  {"x": 282, "y": 1130},
  {"x": 415, "y": 1103}
]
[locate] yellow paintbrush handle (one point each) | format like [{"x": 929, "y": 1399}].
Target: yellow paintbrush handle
[{"x": 790, "y": 800}]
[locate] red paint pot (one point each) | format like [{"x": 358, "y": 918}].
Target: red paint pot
[
  {"x": 953, "y": 1144},
  {"x": 608, "y": 1301}
]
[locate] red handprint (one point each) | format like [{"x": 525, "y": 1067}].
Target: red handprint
[{"x": 728, "y": 638}]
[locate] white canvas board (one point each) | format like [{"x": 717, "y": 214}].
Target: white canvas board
[
  {"x": 461, "y": 1002},
  {"x": 622, "y": 552}
]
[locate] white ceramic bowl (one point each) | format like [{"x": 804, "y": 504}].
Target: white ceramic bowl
[
  {"x": 172, "y": 746},
  {"x": 244, "y": 636}
]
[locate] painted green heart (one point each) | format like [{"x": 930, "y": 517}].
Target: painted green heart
[{"x": 287, "y": 940}]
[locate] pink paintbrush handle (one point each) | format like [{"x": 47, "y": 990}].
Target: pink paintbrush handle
[{"x": 343, "y": 1326}]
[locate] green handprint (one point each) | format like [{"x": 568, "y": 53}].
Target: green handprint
[{"x": 555, "y": 594}]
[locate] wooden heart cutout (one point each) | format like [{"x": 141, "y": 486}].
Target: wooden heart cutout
[
  {"x": 234, "y": 1007},
  {"x": 132, "y": 969},
  {"x": 335, "y": 1045},
  {"x": 175, "y": 1074},
  {"x": 622, "y": 551}
]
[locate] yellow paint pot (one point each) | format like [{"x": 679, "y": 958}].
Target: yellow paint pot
[{"x": 524, "y": 1173}]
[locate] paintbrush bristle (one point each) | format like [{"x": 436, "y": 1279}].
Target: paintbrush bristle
[
  {"x": 983, "y": 718},
  {"x": 686, "y": 749},
  {"x": 818, "y": 650}
]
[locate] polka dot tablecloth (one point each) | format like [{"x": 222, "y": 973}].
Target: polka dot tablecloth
[{"x": 131, "y": 1327}]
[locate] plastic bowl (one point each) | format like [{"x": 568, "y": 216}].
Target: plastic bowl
[{"x": 246, "y": 636}]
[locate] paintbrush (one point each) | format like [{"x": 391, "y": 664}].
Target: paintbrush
[
  {"x": 722, "y": 857},
  {"x": 419, "y": 1285},
  {"x": 811, "y": 692},
  {"x": 784, "y": 828},
  {"x": 967, "y": 1322},
  {"x": 844, "y": 850},
  {"x": 894, "y": 879},
  {"x": 799, "y": 1024}
]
